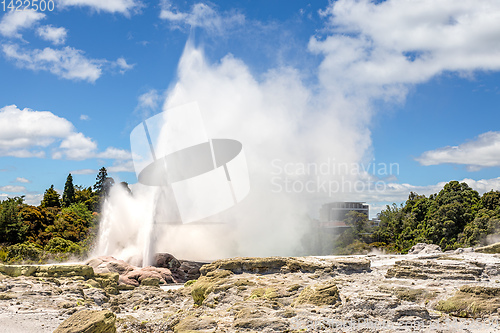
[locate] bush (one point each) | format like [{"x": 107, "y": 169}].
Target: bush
[
  {"x": 26, "y": 251},
  {"x": 357, "y": 247},
  {"x": 3, "y": 255},
  {"x": 61, "y": 245}
]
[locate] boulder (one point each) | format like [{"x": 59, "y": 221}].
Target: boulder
[
  {"x": 423, "y": 248},
  {"x": 135, "y": 277},
  {"x": 319, "y": 294},
  {"x": 89, "y": 321},
  {"x": 98, "y": 296},
  {"x": 166, "y": 260},
  {"x": 150, "y": 281},
  {"x": 106, "y": 264},
  {"x": 167, "y": 269}
]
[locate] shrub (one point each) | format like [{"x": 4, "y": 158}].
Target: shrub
[
  {"x": 3, "y": 255},
  {"x": 26, "y": 251},
  {"x": 61, "y": 245}
]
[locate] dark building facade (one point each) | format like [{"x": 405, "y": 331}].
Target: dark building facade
[{"x": 333, "y": 214}]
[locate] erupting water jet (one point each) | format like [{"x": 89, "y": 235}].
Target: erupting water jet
[{"x": 195, "y": 176}]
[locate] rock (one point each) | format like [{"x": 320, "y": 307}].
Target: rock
[
  {"x": 98, "y": 296},
  {"x": 252, "y": 265},
  {"x": 419, "y": 269},
  {"x": 18, "y": 270},
  {"x": 166, "y": 260},
  {"x": 91, "y": 283},
  {"x": 150, "y": 281},
  {"x": 493, "y": 248},
  {"x": 198, "y": 324},
  {"x": 163, "y": 275},
  {"x": 272, "y": 265},
  {"x": 258, "y": 319},
  {"x": 319, "y": 294},
  {"x": 64, "y": 271},
  {"x": 166, "y": 268},
  {"x": 108, "y": 282},
  {"x": 188, "y": 270},
  {"x": 68, "y": 270},
  {"x": 423, "y": 248},
  {"x": 411, "y": 311},
  {"x": 89, "y": 321},
  {"x": 352, "y": 265},
  {"x": 463, "y": 250},
  {"x": 106, "y": 264},
  {"x": 6, "y": 296},
  {"x": 471, "y": 301},
  {"x": 206, "y": 284}
]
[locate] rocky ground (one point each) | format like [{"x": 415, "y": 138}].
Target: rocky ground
[{"x": 425, "y": 291}]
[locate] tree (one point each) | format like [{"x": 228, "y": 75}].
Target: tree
[
  {"x": 103, "y": 182},
  {"x": 491, "y": 200},
  {"x": 51, "y": 198},
  {"x": 69, "y": 192},
  {"x": 12, "y": 229},
  {"x": 86, "y": 196},
  {"x": 100, "y": 180}
]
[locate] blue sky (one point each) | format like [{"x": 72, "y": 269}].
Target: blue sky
[{"x": 413, "y": 84}]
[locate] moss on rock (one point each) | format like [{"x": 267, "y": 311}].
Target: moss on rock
[
  {"x": 319, "y": 294},
  {"x": 493, "y": 248},
  {"x": 471, "y": 301},
  {"x": 206, "y": 284},
  {"x": 88, "y": 321}
]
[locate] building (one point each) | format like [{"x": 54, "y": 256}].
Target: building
[{"x": 333, "y": 214}]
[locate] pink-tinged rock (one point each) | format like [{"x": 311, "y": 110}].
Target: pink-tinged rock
[
  {"x": 167, "y": 269},
  {"x": 107, "y": 264}
]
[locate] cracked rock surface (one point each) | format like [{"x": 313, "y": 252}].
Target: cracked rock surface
[{"x": 427, "y": 291}]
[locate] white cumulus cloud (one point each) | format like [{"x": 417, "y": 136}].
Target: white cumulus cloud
[
  {"x": 14, "y": 21},
  {"x": 27, "y": 133},
  {"x": 124, "y": 7},
  {"x": 13, "y": 189},
  {"x": 377, "y": 49},
  {"x": 21, "y": 130},
  {"x": 52, "y": 34},
  {"x": 201, "y": 15},
  {"x": 484, "y": 151},
  {"x": 122, "y": 65},
  {"x": 68, "y": 63}
]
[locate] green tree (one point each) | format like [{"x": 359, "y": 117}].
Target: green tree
[
  {"x": 491, "y": 200},
  {"x": 72, "y": 223},
  {"x": 358, "y": 221},
  {"x": 391, "y": 224},
  {"x": 69, "y": 192},
  {"x": 87, "y": 197},
  {"x": 51, "y": 198},
  {"x": 103, "y": 182},
  {"x": 12, "y": 229}
]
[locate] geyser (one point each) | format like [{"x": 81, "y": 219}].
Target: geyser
[{"x": 195, "y": 217}]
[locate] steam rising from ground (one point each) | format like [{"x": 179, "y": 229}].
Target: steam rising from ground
[{"x": 278, "y": 120}]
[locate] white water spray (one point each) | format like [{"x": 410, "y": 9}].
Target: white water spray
[{"x": 275, "y": 120}]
